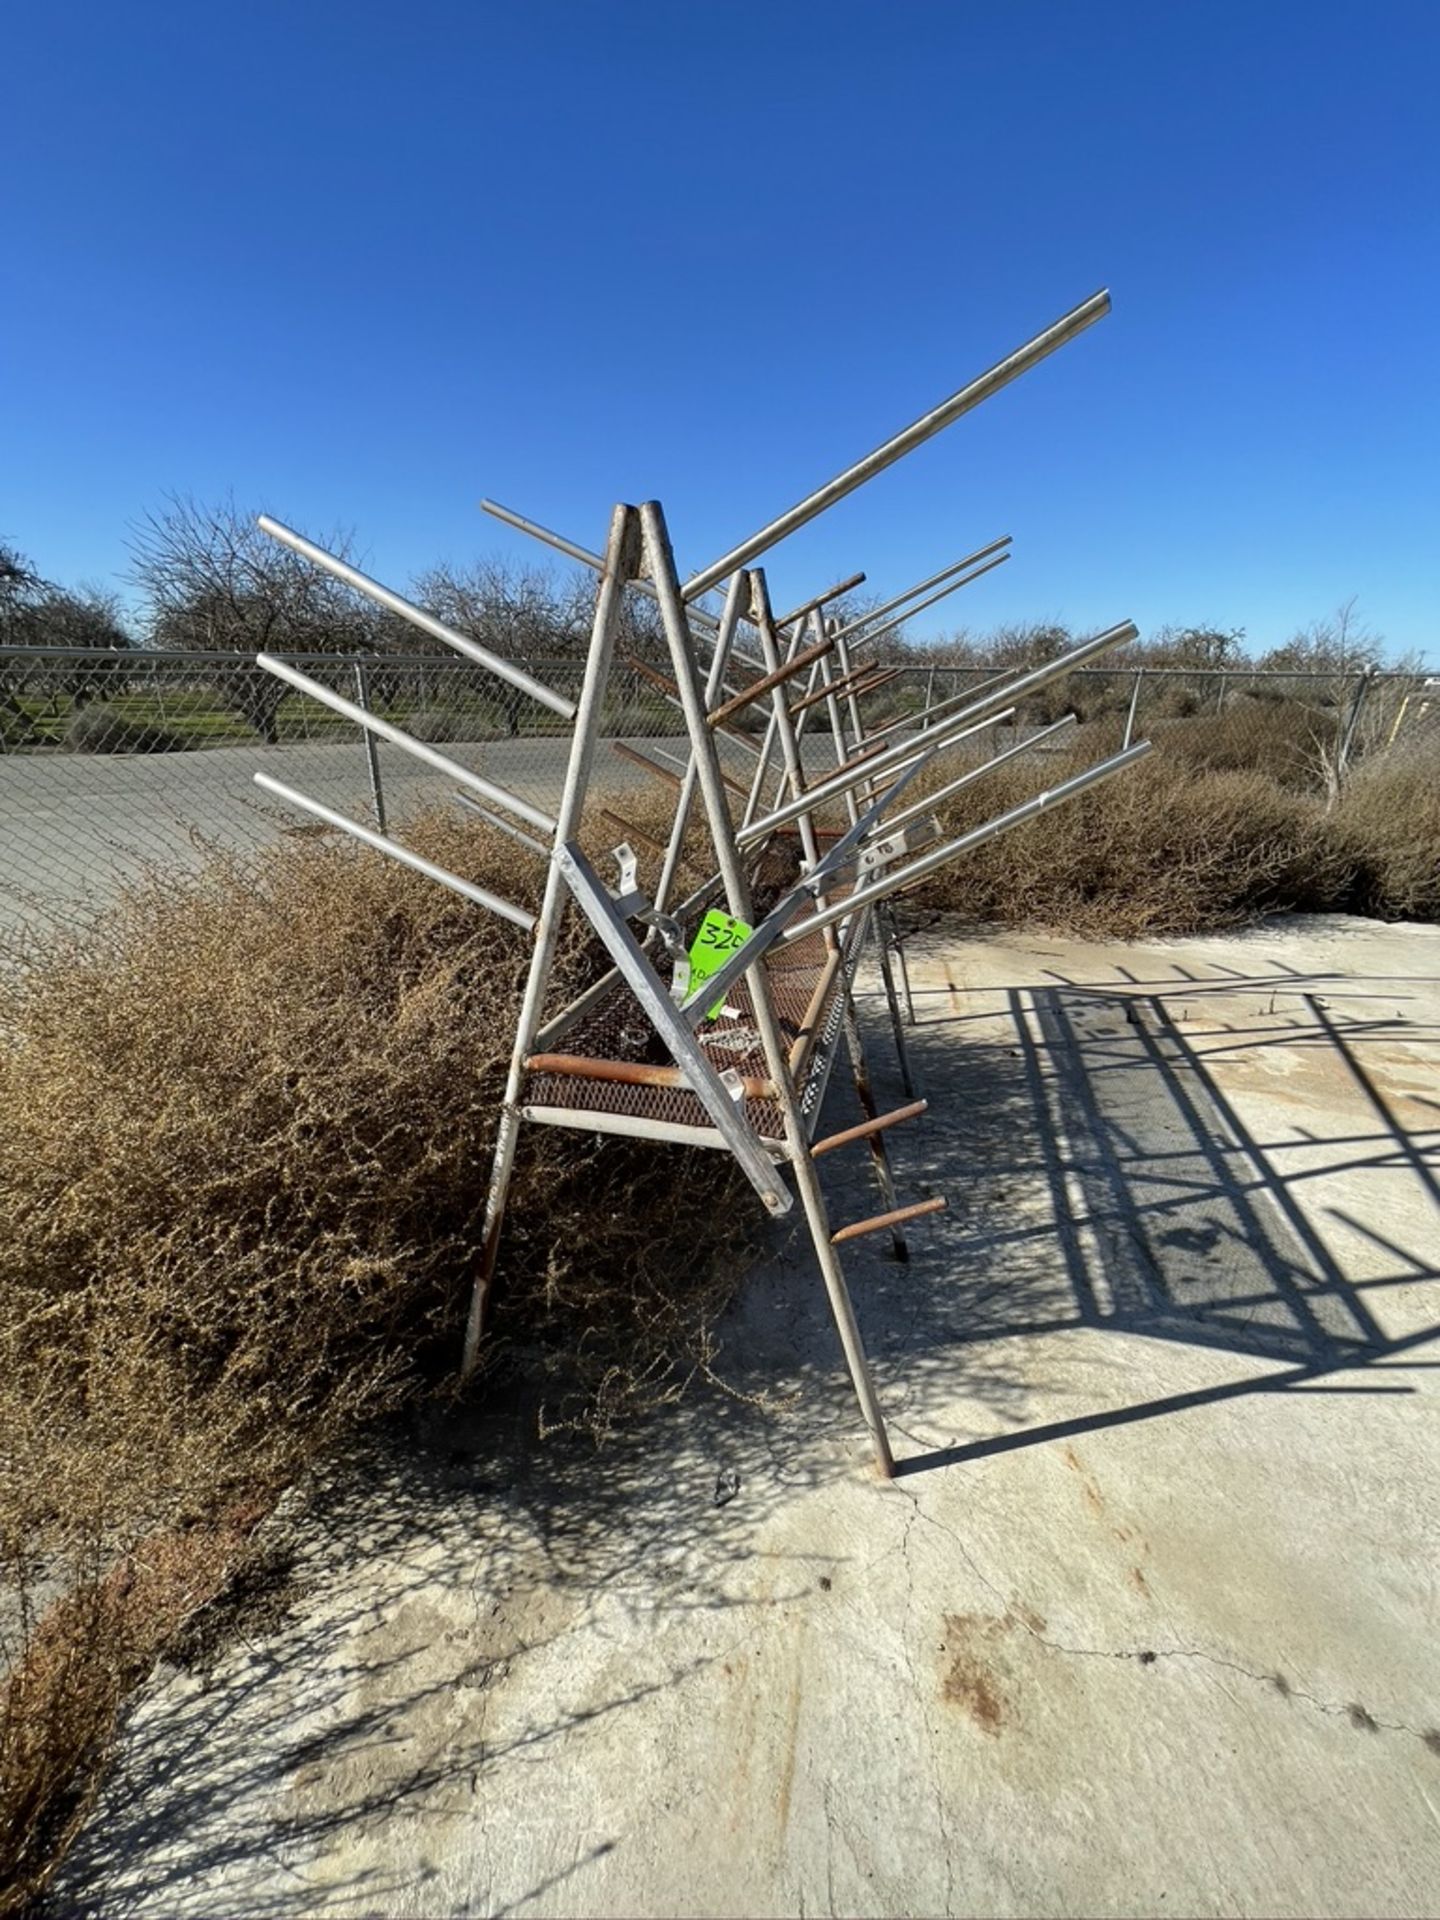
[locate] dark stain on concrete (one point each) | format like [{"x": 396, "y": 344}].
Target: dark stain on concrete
[{"x": 968, "y": 1680}]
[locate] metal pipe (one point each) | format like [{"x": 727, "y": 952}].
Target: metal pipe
[
  {"x": 922, "y": 586},
  {"x": 932, "y": 800},
  {"x": 441, "y": 875},
  {"x": 1007, "y": 695},
  {"x": 942, "y": 856},
  {"x": 383, "y": 597},
  {"x": 635, "y": 1127},
  {"x": 1352, "y": 723},
  {"x": 571, "y": 551},
  {"x": 767, "y": 745},
  {"x": 487, "y": 790},
  {"x": 919, "y": 431},
  {"x": 921, "y": 751},
  {"x": 865, "y": 678},
  {"x": 896, "y": 1217},
  {"x": 879, "y": 633},
  {"x": 504, "y": 826},
  {"x": 879, "y": 1124},
  {"x": 819, "y": 600},
  {"x": 774, "y": 677},
  {"x": 927, "y": 716},
  {"x": 777, "y": 674},
  {"x": 837, "y": 730},
  {"x": 1134, "y": 703},
  {"x": 852, "y": 692},
  {"x": 622, "y": 558},
  {"x": 372, "y": 758},
  {"x": 807, "y": 1181}
]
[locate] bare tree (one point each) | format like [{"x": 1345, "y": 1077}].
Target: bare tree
[
  {"x": 214, "y": 583},
  {"x": 1343, "y": 645},
  {"x": 35, "y": 613}
]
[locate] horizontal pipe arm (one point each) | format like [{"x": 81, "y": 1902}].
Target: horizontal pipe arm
[
  {"x": 919, "y": 431},
  {"x": 417, "y": 616},
  {"x": 820, "y": 600},
  {"x": 923, "y": 586},
  {"x": 994, "y": 702},
  {"x": 942, "y": 856},
  {"x": 381, "y": 843},
  {"x": 499, "y": 821},
  {"x": 417, "y": 749},
  {"x": 941, "y": 593},
  {"x": 933, "y": 800}
]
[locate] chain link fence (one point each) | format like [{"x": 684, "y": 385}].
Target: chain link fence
[
  {"x": 1173, "y": 693},
  {"x": 114, "y": 764}
]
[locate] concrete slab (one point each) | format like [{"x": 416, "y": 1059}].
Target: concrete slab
[{"x": 1147, "y": 1623}]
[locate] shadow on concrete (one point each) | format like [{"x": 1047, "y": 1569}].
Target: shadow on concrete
[
  {"x": 1097, "y": 1178},
  {"x": 1171, "y": 1219}
]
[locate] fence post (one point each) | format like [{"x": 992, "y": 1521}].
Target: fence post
[
  {"x": 1134, "y": 703},
  {"x": 1352, "y": 722},
  {"x": 372, "y": 757}
]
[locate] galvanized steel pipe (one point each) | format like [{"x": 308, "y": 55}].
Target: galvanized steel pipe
[
  {"x": 417, "y": 616},
  {"x": 919, "y": 431},
  {"x": 942, "y": 856}
]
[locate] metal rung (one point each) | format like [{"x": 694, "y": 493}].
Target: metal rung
[
  {"x": 858, "y": 680},
  {"x": 652, "y": 767},
  {"x": 670, "y": 692},
  {"x": 863, "y": 1132},
  {"x": 467, "y": 889},
  {"x": 632, "y": 832},
  {"x": 881, "y": 1220},
  {"x": 758, "y": 688},
  {"x": 631, "y": 1073}
]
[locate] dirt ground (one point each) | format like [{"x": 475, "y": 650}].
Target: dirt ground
[{"x": 1147, "y": 1622}]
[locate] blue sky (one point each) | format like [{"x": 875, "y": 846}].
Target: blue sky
[{"x": 363, "y": 263}]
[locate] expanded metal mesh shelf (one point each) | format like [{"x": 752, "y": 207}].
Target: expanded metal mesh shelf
[{"x": 805, "y": 978}]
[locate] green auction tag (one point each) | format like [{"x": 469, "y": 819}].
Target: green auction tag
[{"x": 716, "y": 939}]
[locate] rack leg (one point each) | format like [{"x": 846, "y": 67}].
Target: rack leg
[
  {"x": 622, "y": 558},
  {"x": 727, "y": 854},
  {"x": 879, "y": 1157},
  {"x": 892, "y": 1000},
  {"x": 807, "y": 1182}
]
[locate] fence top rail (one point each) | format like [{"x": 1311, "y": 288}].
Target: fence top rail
[
  {"x": 245, "y": 657},
  {"x": 450, "y": 663}
]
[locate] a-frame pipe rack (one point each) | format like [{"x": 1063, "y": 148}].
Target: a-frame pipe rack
[{"x": 749, "y": 1046}]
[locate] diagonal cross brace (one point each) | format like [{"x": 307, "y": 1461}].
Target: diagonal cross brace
[
  {"x": 845, "y": 852},
  {"x": 601, "y": 911}
]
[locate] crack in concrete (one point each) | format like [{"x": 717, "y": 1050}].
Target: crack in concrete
[
  {"x": 1359, "y": 1716},
  {"x": 923, "y": 1696}
]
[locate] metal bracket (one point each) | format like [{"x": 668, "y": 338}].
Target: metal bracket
[
  {"x": 632, "y": 904},
  {"x": 879, "y": 853}
]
